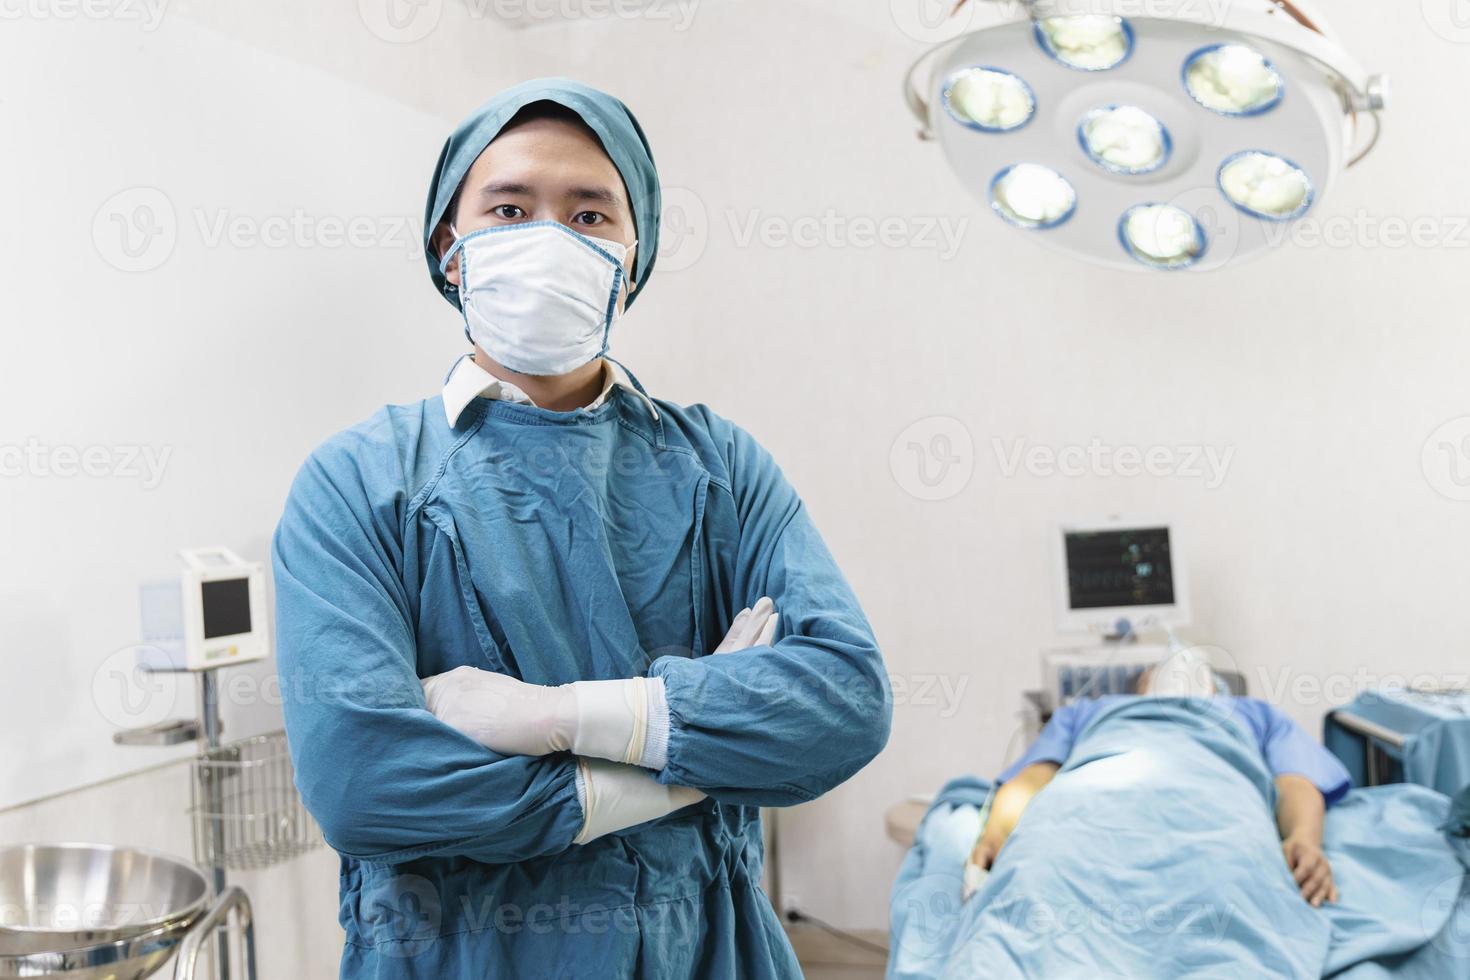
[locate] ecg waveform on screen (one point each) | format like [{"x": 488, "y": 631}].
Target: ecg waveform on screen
[{"x": 1129, "y": 567}]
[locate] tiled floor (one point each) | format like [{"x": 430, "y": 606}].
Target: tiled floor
[
  {"x": 824, "y": 956},
  {"x": 827, "y": 972}
]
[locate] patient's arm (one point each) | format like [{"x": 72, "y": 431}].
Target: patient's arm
[
  {"x": 1005, "y": 810},
  {"x": 1299, "y": 813}
]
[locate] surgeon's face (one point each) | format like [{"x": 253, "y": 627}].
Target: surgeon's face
[{"x": 543, "y": 170}]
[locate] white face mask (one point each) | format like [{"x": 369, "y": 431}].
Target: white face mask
[
  {"x": 1185, "y": 674},
  {"x": 538, "y": 297}
]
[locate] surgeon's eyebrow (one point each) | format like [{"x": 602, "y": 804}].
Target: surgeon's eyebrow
[
  {"x": 505, "y": 187},
  {"x": 512, "y": 188},
  {"x": 600, "y": 195}
]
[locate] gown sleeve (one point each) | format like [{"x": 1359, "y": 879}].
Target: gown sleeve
[
  {"x": 1055, "y": 742},
  {"x": 1289, "y": 750},
  {"x": 386, "y": 780},
  {"x": 781, "y": 724}
]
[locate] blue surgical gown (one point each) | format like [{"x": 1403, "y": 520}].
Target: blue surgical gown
[
  {"x": 1284, "y": 745},
  {"x": 556, "y": 547}
]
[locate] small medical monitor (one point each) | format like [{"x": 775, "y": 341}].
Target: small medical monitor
[{"x": 1119, "y": 570}]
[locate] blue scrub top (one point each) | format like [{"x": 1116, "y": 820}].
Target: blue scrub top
[
  {"x": 555, "y": 547},
  {"x": 1285, "y": 746}
]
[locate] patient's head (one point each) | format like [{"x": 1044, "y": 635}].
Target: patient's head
[{"x": 1183, "y": 674}]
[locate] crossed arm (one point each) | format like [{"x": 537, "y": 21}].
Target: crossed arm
[
  {"x": 1300, "y": 812},
  {"x": 618, "y": 729},
  {"x": 772, "y": 725}
]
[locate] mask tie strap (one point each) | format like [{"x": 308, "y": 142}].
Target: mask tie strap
[
  {"x": 454, "y": 250},
  {"x": 450, "y": 288},
  {"x": 658, "y": 422}
]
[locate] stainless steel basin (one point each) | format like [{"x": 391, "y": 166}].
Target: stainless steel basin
[{"x": 93, "y": 911}]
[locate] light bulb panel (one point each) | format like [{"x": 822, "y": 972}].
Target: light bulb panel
[
  {"x": 1306, "y": 125},
  {"x": 1032, "y": 197},
  {"x": 1266, "y": 185},
  {"x": 1086, "y": 42},
  {"x": 988, "y": 99},
  {"x": 1123, "y": 139}
]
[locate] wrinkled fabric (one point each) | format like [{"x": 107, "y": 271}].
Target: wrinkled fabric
[
  {"x": 1285, "y": 746},
  {"x": 1115, "y": 871},
  {"x": 924, "y": 907},
  {"x": 1404, "y": 891},
  {"x": 622, "y": 139},
  {"x": 556, "y": 547}
]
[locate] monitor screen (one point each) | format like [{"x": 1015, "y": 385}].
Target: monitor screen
[
  {"x": 1122, "y": 567},
  {"x": 226, "y": 607}
]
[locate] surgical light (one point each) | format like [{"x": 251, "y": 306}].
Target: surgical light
[
  {"x": 1232, "y": 79},
  {"x": 1087, "y": 42},
  {"x": 1168, "y": 141},
  {"x": 1032, "y": 196},
  {"x": 1124, "y": 139},
  {"x": 1266, "y": 185},
  {"x": 1162, "y": 236},
  {"x": 990, "y": 100}
]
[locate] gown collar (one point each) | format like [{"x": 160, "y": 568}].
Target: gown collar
[{"x": 468, "y": 381}]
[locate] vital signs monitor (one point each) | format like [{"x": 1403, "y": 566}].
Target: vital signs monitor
[{"x": 1117, "y": 573}]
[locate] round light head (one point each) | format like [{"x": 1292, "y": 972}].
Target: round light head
[
  {"x": 989, "y": 99},
  {"x": 1029, "y": 195},
  {"x": 1123, "y": 139},
  {"x": 1266, "y": 185},
  {"x": 1162, "y": 236},
  {"x": 1087, "y": 42},
  {"x": 1233, "y": 80},
  {"x": 1147, "y": 140}
]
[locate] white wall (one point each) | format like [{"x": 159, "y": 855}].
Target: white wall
[
  {"x": 1325, "y": 551},
  {"x": 227, "y": 362}
]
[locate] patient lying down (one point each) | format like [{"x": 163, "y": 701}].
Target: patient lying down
[{"x": 1307, "y": 778}]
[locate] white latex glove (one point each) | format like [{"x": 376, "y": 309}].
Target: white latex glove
[
  {"x": 621, "y": 721},
  {"x": 614, "y": 796},
  {"x": 502, "y": 713},
  {"x": 753, "y": 627},
  {"x": 605, "y": 719}
]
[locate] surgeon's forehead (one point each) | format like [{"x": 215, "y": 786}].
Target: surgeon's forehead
[{"x": 541, "y": 156}]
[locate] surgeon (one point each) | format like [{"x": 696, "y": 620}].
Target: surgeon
[
  {"x": 1308, "y": 778},
  {"x": 547, "y": 642}
]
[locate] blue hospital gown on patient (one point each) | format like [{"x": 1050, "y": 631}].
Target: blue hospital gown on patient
[
  {"x": 1285, "y": 746},
  {"x": 555, "y": 547}
]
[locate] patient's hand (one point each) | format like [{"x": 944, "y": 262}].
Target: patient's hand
[
  {"x": 1310, "y": 869},
  {"x": 1300, "y": 814},
  {"x": 986, "y": 848}
]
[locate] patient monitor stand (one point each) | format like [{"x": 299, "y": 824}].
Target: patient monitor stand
[{"x": 214, "y": 615}]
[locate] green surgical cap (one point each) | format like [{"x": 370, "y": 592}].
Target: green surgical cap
[{"x": 615, "y": 126}]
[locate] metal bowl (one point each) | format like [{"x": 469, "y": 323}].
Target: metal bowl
[{"x": 89, "y": 911}]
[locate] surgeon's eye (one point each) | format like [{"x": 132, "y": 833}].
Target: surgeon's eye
[
  {"x": 507, "y": 212},
  {"x": 588, "y": 218}
]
